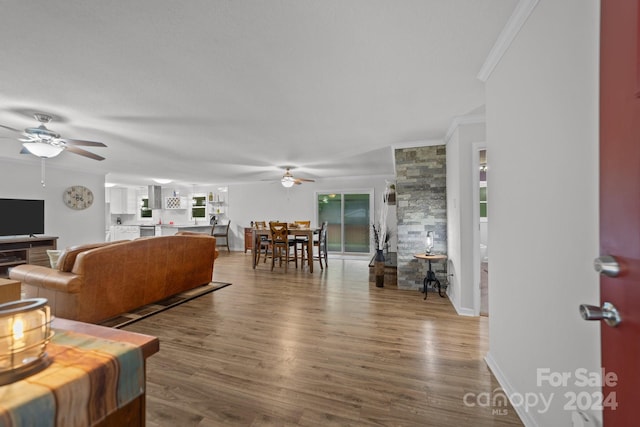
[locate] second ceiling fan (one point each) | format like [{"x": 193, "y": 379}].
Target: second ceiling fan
[{"x": 288, "y": 180}]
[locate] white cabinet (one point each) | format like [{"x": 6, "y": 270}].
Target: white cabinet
[
  {"x": 124, "y": 232},
  {"x": 122, "y": 201}
]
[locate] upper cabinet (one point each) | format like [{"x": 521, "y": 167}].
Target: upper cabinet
[{"x": 122, "y": 201}]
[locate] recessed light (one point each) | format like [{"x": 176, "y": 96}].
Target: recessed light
[{"x": 162, "y": 180}]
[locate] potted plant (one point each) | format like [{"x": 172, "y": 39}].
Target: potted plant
[{"x": 380, "y": 233}]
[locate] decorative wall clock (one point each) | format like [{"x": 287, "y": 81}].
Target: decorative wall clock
[{"x": 78, "y": 197}]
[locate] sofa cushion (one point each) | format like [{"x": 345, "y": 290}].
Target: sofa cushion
[{"x": 68, "y": 256}]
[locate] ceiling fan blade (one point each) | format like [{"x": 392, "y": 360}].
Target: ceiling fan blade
[
  {"x": 84, "y": 153},
  {"x": 305, "y": 180},
  {"x": 69, "y": 141},
  {"x": 10, "y": 128}
]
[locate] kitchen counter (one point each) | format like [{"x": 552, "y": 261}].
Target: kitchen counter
[
  {"x": 186, "y": 225},
  {"x": 133, "y": 231},
  {"x": 168, "y": 229}
]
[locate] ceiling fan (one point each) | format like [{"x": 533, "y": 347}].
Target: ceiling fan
[
  {"x": 288, "y": 179},
  {"x": 46, "y": 143}
]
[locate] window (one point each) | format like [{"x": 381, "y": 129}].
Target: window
[
  {"x": 483, "y": 199},
  {"x": 199, "y": 207},
  {"x": 145, "y": 211}
]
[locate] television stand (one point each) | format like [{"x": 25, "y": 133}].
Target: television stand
[{"x": 25, "y": 250}]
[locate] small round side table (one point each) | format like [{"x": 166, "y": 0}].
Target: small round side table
[{"x": 431, "y": 276}]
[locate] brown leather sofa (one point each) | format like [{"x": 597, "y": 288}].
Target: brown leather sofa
[{"x": 97, "y": 281}]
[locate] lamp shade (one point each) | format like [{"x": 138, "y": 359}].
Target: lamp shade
[
  {"x": 25, "y": 330},
  {"x": 42, "y": 149},
  {"x": 429, "y": 242}
]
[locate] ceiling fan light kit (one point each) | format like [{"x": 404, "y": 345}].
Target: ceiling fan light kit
[
  {"x": 43, "y": 150},
  {"x": 287, "y": 181}
]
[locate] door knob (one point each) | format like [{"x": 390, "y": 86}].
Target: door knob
[
  {"x": 608, "y": 313},
  {"x": 606, "y": 265}
]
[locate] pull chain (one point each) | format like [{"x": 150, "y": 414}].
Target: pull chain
[{"x": 42, "y": 171}]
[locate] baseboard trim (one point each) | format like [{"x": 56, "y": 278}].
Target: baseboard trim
[
  {"x": 509, "y": 390},
  {"x": 461, "y": 311}
]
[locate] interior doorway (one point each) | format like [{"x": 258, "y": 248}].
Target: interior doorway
[
  {"x": 484, "y": 234},
  {"x": 481, "y": 229}
]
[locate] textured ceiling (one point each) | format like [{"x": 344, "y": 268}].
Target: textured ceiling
[{"x": 229, "y": 91}]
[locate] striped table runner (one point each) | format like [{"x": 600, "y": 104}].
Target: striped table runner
[{"x": 88, "y": 379}]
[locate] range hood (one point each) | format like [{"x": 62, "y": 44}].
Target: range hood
[{"x": 155, "y": 197}]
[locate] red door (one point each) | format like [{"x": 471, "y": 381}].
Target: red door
[{"x": 620, "y": 206}]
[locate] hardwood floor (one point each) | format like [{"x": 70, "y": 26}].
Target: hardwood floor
[{"x": 321, "y": 349}]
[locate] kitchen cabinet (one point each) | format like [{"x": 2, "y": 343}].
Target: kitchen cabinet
[
  {"x": 122, "y": 201},
  {"x": 125, "y": 232}
]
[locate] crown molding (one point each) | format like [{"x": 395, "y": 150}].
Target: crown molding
[
  {"x": 418, "y": 143},
  {"x": 463, "y": 120},
  {"x": 507, "y": 35}
]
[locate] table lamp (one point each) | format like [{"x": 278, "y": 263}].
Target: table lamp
[
  {"x": 25, "y": 330},
  {"x": 429, "y": 242}
]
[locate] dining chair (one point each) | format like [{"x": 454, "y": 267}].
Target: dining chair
[
  {"x": 280, "y": 244},
  {"x": 264, "y": 242},
  {"x": 321, "y": 244},
  {"x": 221, "y": 231},
  {"x": 301, "y": 241}
]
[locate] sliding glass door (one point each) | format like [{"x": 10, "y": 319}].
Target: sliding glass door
[{"x": 349, "y": 218}]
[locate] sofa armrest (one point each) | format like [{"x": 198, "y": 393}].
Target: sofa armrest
[{"x": 48, "y": 278}]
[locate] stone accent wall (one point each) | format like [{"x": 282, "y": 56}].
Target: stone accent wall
[{"x": 421, "y": 194}]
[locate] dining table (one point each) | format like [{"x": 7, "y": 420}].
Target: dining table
[{"x": 294, "y": 232}]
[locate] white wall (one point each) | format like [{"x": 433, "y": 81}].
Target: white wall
[
  {"x": 271, "y": 201},
  {"x": 20, "y": 179},
  {"x": 542, "y": 139},
  {"x": 460, "y": 211}
]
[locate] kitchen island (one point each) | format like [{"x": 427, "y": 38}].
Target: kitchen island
[
  {"x": 133, "y": 231},
  {"x": 170, "y": 229}
]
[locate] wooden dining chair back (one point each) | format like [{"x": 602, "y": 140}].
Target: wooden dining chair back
[
  {"x": 264, "y": 242},
  {"x": 321, "y": 244},
  {"x": 280, "y": 244},
  {"x": 301, "y": 241},
  {"x": 221, "y": 232}
]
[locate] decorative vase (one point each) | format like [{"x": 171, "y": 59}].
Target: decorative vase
[{"x": 378, "y": 268}]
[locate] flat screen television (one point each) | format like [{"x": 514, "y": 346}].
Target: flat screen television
[{"x": 21, "y": 216}]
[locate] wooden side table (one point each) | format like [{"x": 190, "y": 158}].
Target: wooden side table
[
  {"x": 431, "y": 276},
  {"x": 9, "y": 290},
  {"x": 248, "y": 239}
]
